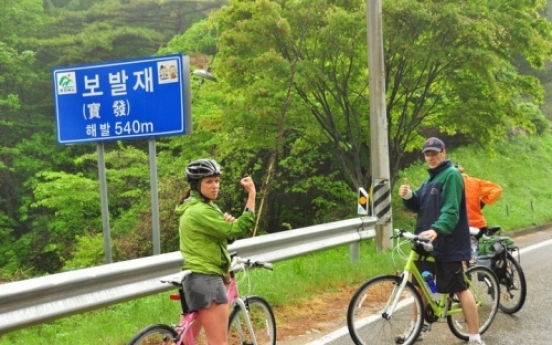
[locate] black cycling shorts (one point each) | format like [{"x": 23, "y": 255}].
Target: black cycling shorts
[{"x": 449, "y": 277}]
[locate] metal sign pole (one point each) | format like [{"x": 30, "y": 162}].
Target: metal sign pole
[
  {"x": 154, "y": 197},
  {"x": 104, "y": 206}
]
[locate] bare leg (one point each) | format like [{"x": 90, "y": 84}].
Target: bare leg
[
  {"x": 196, "y": 327},
  {"x": 470, "y": 310},
  {"x": 215, "y": 320}
]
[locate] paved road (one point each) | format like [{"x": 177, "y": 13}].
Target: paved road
[{"x": 531, "y": 325}]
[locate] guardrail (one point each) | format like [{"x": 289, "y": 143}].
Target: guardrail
[{"x": 34, "y": 301}]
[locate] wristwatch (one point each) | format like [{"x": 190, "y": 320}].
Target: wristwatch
[{"x": 247, "y": 209}]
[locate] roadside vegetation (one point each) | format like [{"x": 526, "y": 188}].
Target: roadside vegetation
[{"x": 522, "y": 166}]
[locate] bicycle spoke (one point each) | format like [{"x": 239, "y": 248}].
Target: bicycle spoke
[
  {"x": 484, "y": 287},
  {"x": 371, "y": 321},
  {"x": 513, "y": 288},
  {"x": 262, "y": 321}
]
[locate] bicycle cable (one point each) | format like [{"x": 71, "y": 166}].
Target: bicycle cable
[
  {"x": 399, "y": 253},
  {"x": 244, "y": 277}
]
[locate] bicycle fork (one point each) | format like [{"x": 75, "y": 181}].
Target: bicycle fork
[
  {"x": 243, "y": 307},
  {"x": 394, "y": 298}
]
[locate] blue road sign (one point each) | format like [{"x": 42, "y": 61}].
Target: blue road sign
[{"x": 139, "y": 98}]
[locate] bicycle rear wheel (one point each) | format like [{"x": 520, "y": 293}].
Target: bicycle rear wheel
[
  {"x": 483, "y": 285},
  {"x": 262, "y": 320},
  {"x": 368, "y": 317},
  {"x": 158, "y": 334},
  {"x": 513, "y": 288}
]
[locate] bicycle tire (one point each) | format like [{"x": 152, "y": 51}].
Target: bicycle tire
[
  {"x": 513, "y": 283},
  {"x": 158, "y": 334},
  {"x": 365, "y": 319},
  {"x": 485, "y": 288},
  {"x": 262, "y": 319}
]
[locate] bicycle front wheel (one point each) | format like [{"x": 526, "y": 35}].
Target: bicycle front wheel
[
  {"x": 483, "y": 284},
  {"x": 513, "y": 288},
  {"x": 380, "y": 312},
  {"x": 262, "y": 321},
  {"x": 154, "y": 335}
]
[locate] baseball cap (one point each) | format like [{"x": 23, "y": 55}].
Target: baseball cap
[{"x": 433, "y": 144}]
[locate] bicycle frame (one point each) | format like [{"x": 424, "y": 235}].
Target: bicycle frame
[
  {"x": 184, "y": 329},
  {"x": 187, "y": 318},
  {"x": 440, "y": 309}
]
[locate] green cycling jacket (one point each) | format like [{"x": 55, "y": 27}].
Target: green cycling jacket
[{"x": 204, "y": 235}]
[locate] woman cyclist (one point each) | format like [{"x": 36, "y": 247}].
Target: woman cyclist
[{"x": 204, "y": 233}]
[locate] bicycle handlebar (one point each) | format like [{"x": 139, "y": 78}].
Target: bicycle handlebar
[
  {"x": 238, "y": 262},
  {"x": 424, "y": 242}
]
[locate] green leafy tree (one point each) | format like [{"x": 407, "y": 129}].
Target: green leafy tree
[
  {"x": 258, "y": 118},
  {"x": 74, "y": 199},
  {"x": 20, "y": 19},
  {"x": 98, "y": 31},
  {"x": 295, "y": 73},
  {"x": 448, "y": 66},
  {"x": 36, "y": 36}
]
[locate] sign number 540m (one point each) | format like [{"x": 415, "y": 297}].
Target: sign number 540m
[{"x": 133, "y": 127}]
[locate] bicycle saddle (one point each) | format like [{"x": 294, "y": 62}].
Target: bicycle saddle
[{"x": 178, "y": 278}]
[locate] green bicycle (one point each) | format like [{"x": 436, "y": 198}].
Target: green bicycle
[{"x": 385, "y": 306}]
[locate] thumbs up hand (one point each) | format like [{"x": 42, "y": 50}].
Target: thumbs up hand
[{"x": 404, "y": 190}]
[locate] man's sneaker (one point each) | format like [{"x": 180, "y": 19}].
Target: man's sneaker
[
  {"x": 475, "y": 342},
  {"x": 401, "y": 338}
]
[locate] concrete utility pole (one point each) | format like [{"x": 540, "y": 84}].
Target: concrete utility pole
[{"x": 379, "y": 143}]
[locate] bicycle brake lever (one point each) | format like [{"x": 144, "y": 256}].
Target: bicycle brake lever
[{"x": 398, "y": 233}]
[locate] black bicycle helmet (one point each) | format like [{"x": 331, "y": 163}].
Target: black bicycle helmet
[{"x": 201, "y": 168}]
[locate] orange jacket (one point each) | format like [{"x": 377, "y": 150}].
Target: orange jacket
[{"x": 479, "y": 191}]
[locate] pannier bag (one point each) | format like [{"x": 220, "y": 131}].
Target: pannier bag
[{"x": 493, "y": 254}]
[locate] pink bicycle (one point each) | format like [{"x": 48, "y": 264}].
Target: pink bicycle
[{"x": 251, "y": 321}]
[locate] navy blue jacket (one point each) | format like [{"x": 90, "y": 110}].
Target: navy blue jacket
[{"x": 441, "y": 205}]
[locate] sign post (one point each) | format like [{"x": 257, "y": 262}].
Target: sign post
[{"x": 120, "y": 100}]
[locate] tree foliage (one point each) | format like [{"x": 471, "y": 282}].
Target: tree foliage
[
  {"x": 448, "y": 66},
  {"x": 34, "y": 37},
  {"x": 290, "y": 108}
]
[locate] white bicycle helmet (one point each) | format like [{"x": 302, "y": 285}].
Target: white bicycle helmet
[{"x": 201, "y": 168}]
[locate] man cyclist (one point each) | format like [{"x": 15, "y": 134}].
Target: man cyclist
[{"x": 442, "y": 218}]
